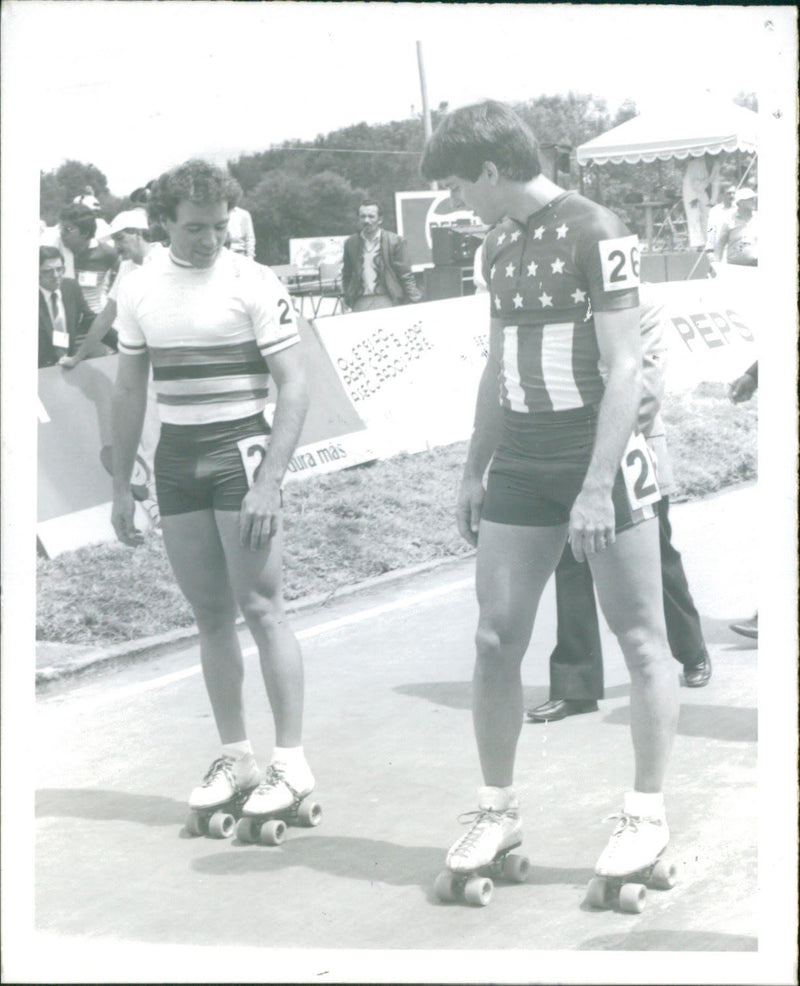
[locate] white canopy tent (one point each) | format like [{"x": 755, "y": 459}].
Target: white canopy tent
[{"x": 691, "y": 128}]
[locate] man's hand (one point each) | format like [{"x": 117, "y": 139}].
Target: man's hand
[
  {"x": 122, "y": 514},
  {"x": 742, "y": 389},
  {"x": 259, "y": 516},
  {"x": 468, "y": 508},
  {"x": 68, "y": 362},
  {"x": 591, "y": 523}
]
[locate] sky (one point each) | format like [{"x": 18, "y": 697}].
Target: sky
[{"x": 141, "y": 86}]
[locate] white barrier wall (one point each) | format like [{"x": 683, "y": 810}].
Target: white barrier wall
[{"x": 394, "y": 380}]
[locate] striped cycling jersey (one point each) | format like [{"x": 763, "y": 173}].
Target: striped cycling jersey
[
  {"x": 546, "y": 277},
  {"x": 208, "y": 331}
]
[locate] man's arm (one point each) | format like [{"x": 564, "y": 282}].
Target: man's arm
[
  {"x": 127, "y": 417},
  {"x": 591, "y": 523},
  {"x": 654, "y": 353},
  {"x": 485, "y": 436},
  {"x": 258, "y": 517},
  {"x": 722, "y": 242},
  {"x": 347, "y": 275},
  {"x": 403, "y": 270},
  {"x": 100, "y": 326}
]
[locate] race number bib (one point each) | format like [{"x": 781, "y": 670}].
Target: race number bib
[
  {"x": 88, "y": 278},
  {"x": 60, "y": 339},
  {"x": 639, "y": 473},
  {"x": 252, "y": 451},
  {"x": 619, "y": 261}
]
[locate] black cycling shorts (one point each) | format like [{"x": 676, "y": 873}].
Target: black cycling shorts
[
  {"x": 539, "y": 468},
  {"x": 202, "y": 467}
]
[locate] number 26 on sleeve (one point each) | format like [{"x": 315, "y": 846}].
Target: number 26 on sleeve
[{"x": 619, "y": 260}]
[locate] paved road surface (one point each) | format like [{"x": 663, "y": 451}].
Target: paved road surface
[{"x": 388, "y": 733}]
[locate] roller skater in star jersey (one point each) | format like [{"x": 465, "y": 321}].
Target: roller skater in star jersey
[{"x": 563, "y": 276}]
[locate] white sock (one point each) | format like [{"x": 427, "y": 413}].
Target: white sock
[
  {"x": 498, "y": 798},
  {"x": 238, "y": 750},
  {"x": 644, "y": 805},
  {"x": 290, "y": 757}
]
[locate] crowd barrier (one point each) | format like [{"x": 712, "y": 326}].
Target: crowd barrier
[{"x": 381, "y": 383}]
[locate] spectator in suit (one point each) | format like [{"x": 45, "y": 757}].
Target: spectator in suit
[
  {"x": 375, "y": 271},
  {"x": 88, "y": 261},
  {"x": 63, "y": 313}
]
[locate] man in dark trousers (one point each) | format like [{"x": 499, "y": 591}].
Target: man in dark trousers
[
  {"x": 576, "y": 664},
  {"x": 375, "y": 271},
  {"x": 64, "y": 315}
]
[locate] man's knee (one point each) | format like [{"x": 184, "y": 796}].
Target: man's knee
[
  {"x": 645, "y": 648},
  {"x": 263, "y": 610},
  {"x": 213, "y": 615},
  {"x": 498, "y": 640}
]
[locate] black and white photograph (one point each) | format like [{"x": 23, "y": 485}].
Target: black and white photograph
[{"x": 399, "y": 505}]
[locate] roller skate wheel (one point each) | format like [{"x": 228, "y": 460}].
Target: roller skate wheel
[
  {"x": 194, "y": 824},
  {"x": 664, "y": 875},
  {"x": 272, "y": 833},
  {"x": 596, "y": 892},
  {"x": 221, "y": 825},
  {"x": 515, "y": 868},
  {"x": 245, "y": 830},
  {"x": 444, "y": 886},
  {"x": 309, "y": 814},
  {"x": 632, "y": 897},
  {"x": 478, "y": 891}
]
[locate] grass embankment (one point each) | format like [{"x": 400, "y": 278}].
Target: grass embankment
[{"x": 349, "y": 526}]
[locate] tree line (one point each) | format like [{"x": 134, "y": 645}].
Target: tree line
[{"x": 312, "y": 188}]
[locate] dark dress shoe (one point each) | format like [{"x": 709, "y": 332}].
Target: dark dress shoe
[
  {"x": 697, "y": 675},
  {"x": 560, "y": 708}
]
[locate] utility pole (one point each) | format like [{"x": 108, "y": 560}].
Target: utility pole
[{"x": 426, "y": 110}]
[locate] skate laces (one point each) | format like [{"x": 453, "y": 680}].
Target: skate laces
[
  {"x": 480, "y": 821},
  {"x": 274, "y": 777},
  {"x": 222, "y": 765},
  {"x": 628, "y": 823}
]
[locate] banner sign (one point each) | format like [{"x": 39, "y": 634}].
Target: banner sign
[
  {"x": 412, "y": 372},
  {"x": 74, "y": 446},
  {"x": 315, "y": 250},
  {"x": 418, "y": 213},
  {"x": 709, "y": 327}
]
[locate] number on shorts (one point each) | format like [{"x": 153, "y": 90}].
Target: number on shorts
[
  {"x": 639, "y": 472},
  {"x": 252, "y": 451}
]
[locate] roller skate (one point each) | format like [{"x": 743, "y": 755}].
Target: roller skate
[
  {"x": 484, "y": 851},
  {"x": 631, "y": 862},
  {"x": 217, "y": 802},
  {"x": 274, "y": 805}
]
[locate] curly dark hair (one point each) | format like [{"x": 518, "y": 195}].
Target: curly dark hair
[
  {"x": 470, "y": 136},
  {"x": 195, "y": 181},
  {"x": 81, "y": 217}
]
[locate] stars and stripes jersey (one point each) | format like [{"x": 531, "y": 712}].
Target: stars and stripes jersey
[
  {"x": 208, "y": 332},
  {"x": 545, "y": 279}
]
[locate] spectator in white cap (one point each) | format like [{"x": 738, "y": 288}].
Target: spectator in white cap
[
  {"x": 130, "y": 232},
  {"x": 737, "y": 242}
]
